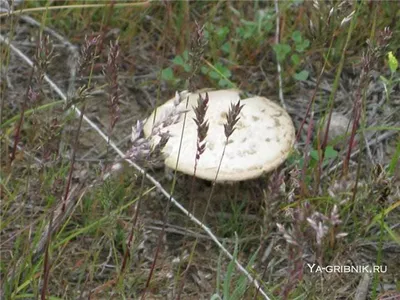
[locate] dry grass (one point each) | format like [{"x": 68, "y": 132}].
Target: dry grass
[{"x": 68, "y": 233}]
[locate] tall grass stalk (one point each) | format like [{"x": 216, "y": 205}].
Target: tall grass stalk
[
  {"x": 166, "y": 212},
  {"x": 143, "y": 4},
  {"x": 321, "y": 148},
  {"x": 202, "y": 130},
  {"x": 89, "y": 53},
  {"x": 229, "y": 128}
]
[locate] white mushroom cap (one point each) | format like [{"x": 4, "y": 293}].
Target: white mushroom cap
[{"x": 262, "y": 140}]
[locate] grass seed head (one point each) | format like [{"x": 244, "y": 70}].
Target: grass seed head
[
  {"x": 142, "y": 150},
  {"x": 202, "y": 125},
  {"x": 232, "y": 118},
  {"x": 198, "y": 45},
  {"x": 111, "y": 74},
  {"x": 88, "y": 52},
  {"x": 43, "y": 57}
]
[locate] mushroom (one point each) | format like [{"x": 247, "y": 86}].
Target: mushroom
[{"x": 262, "y": 140}]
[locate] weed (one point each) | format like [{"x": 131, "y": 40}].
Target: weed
[
  {"x": 388, "y": 83},
  {"x": 217, "y": 73},
  {"x": 232, "y": 288}
]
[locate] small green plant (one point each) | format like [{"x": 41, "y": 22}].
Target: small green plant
[
  {"x": 181, "y": 61},
  {"x": 295, "y": 49},
  {"x": 388, "y": 83},
  {"x": 256, "y": 29},
  {"x": 250, "y": 31},
  {"x": 218, "y": 73},
  {"x": 282, "y": 51},
  {"x": 330, "y": 154},
  {"x": 296, "y": 158},
  {"x": 235, "y": 223},
  {"x": 218, "y": 37},
  {"x": 232, "y": 289},
  {"x": 225, "y": 41}
]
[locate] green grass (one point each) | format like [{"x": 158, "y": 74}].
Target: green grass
[{"x": 89, "y": 253}]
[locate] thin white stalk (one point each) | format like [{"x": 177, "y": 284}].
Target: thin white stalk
[
  {"x": 137, "y": 167},
  {"x": 278, "y": 65}
]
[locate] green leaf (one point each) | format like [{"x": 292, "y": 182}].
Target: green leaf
[
  {"x": 204, "y": 70},
  {"x": 187, "y": 67},
  {"x": 222, "y": 33},
  {"x": 241, "y": 284},
  {"x": 182, "y": 60},
  {"x": 393, "y": 63},
  {"x": 264, "y": 23},
  {"x": 178, "y": 60},
  {"x": 223, "y": 70},
  {"x": 301, "y": 76},
  {"x": 207, "y": 31},
  {"x": 167, "y": 74},
  {"x": 247, "y": 30},
  {"x": 330, "y": 152},
  {"x": 301, "y": 47},
  {"x": 384, "y": 80},
  {"x": 268, "y": 26},
  {"x": 221, "y": 73},
  {"x": 395, "y": 160},
  {"x": 213, "y": 75},
  {"x": 230, "y": 271},
  {"x": 395, "y": 237},
  {"x": 185, "y": 55},
  {"x": 223, "y": 83},
  {"x": 281, "y": 51},
  {"x": 295, "y": 58},
  {"x": 226, "y": 47},
  {"x": 296, "y": 36},
  {"x": 314, "y": 154}
]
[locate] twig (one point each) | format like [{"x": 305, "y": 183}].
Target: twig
[
  {"x": 278, "y": 65},
  {"x": 190, "y": 233},
  {"x": 142, "y": 171}
]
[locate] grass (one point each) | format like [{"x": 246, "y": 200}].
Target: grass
[{"x": 68, "y": 233}]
